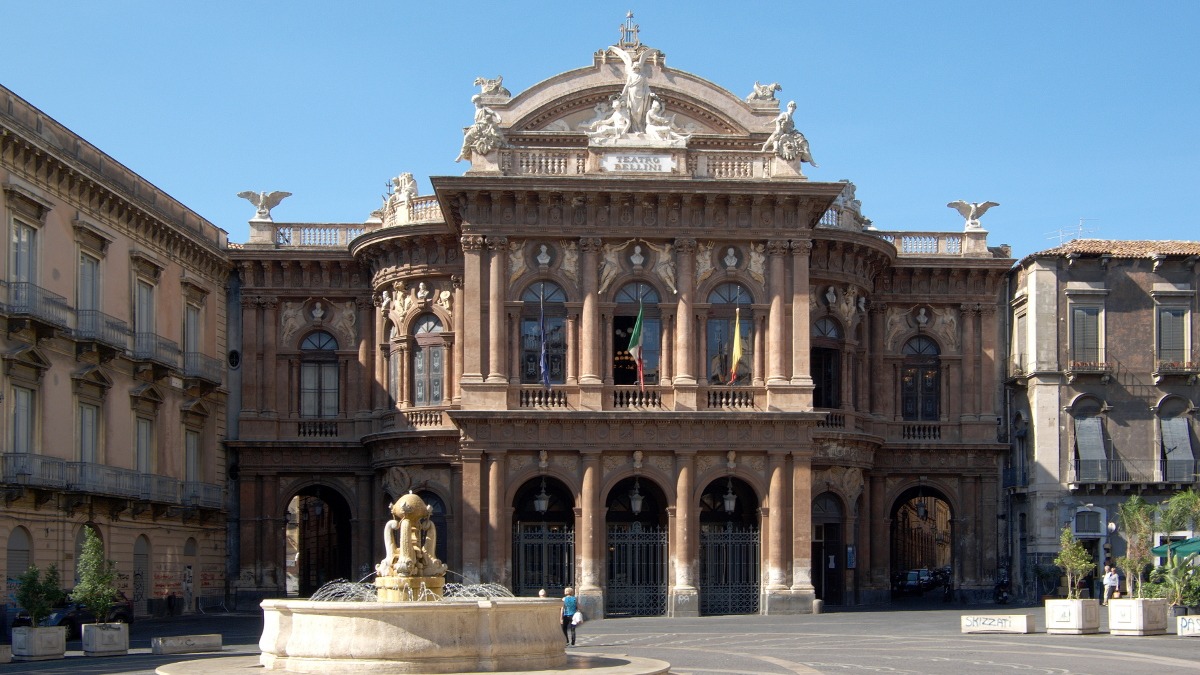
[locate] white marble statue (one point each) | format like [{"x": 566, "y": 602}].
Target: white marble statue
[
  {"x": 764, "y": 92},
  {"x": 704, "y": 261},
  {"x": 922, "y": 317},
  {"x": 610, "y": 264},
  {"x": 264, "y": 201},
  {"x": 543, "y": 256},
  {"x": 484, "y": 135},
  {"x": 636, "y": 259},
  {"x": 972, "y": 211},
  {"x": 422, "y": 293},
  {"x": 346, "y": 319},
  {"x": 785, "y": 141},
  {"x": 404, "y": 188},
  {"x": 615, "y": 126},
  {"x": 636, "y": 93},
  {"x": 492, "y": 87},
  {"x": 730, "y": 258},
  {"x": 660, "y": 126},
  {"x": 664, "y": 264},
  {"x": 293, "y": 319},
  {"x": 318, "y": 312}
]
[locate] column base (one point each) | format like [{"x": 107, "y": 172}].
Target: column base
[
  {"x": 787, "y": 601},
  {"x": 485, "y": 396},
  {"x": 683, "y": 601},
  {"x": 591, "y": 603},
  {"x": 789, "y": 397}
]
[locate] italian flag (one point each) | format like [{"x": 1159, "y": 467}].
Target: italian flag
[
  {"x": 635, "y": 346},
  {"x": 737, "y": 345}
]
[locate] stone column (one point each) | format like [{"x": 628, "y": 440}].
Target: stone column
[
  {"x": 472, "y": 301},
  {"x": 666, "y": 350},
  {"x": 760, "y": 342},
  {"x": 270, "y": 342},
  {"x": 777, "y": 543},
  {"x": 591, "y": 535},
  {"x": 801, "y": 333},
  {"x": 685, "y": 358},
  {"x": 377, "y": 398},
  {"x": 589, "y": 362},
  {"x": 367, "y": 339},
  {"x": 472, "y": 485},
  {"x": 802, "y": 523},
  {"x": 987, "y": 361},
  {"x": 875, "y": 402},
  {"x": 456, "y": 368},
  {"x": 685, "y": 596},
  {"x": 400, "y": 351},
  {"x": 495, "y": 567},
  {"x": 496, "y": 264},
  {"x": 879, "y": 523},
  {"x": 251, "y": 353},
  {"x": 970, "y": 381},
  {"x": 777, "y": 346},
  {"x": 572, "y": 349}
]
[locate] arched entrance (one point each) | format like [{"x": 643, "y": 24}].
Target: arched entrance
[
  {"x": 636, "y": 565},
  {"x": 320, "y": 552},
  {"x": 543, "y": 538},
  {"x": 729, "y": 548},
  {"x": 922, "y": 536},
  {"x": 828, "y": 549},
  {"x": 141, "y": 575}
]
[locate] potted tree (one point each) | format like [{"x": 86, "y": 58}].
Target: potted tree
[
  {"x": 1073, "y": 615},
  {"x": 1175, "y": 579},
  {"x": 97, "y": 591},
  {"x": 1136, "y": 614},
  {"x": 37, "y": 595}
]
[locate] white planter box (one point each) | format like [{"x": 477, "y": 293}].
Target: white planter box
[
  {"x": 105, "y": 639},
  {"x": 39, "y": 643},
  {"x": 1137, "y": 616},
  {"x": 1072, "y": 617},
  {"x": 1187, "y": 626}
]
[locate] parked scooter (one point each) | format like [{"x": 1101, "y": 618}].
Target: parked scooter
[{"x": 1002, "y": 589}]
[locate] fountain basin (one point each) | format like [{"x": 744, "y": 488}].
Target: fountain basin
[{"x": 451, "y": 636}]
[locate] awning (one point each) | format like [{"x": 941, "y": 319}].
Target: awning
[
  {"x": 1177, "y": 442},
  {"x": 1180, "y": 548},
  {"x": 1089, "y": 438}
]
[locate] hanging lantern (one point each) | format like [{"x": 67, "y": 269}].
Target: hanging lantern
[
  {"x": 541, "y": 501},
  {"x": 730, "y": 498},
  {"x": 635, "y": 498}
]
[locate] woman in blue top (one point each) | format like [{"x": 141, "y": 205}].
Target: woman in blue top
[{"x": 569, "y": 607}]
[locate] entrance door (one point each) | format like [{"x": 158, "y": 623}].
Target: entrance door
[
  {"x": 543, "y": 538},
  {"x": 829, "y": 564},
  {"x": 636, "y": 569},
  {"x": 730, "y": 549}
]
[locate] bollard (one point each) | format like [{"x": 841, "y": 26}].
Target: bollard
[{"x": 818, "y": 606}]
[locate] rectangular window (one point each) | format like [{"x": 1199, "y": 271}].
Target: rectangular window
[
  {"x": 145, "y": 445},
  {"x": 23, "y": 266},
  {"x": 1087, "y": 522},
  {"x": 319, "y": 389},
  {"x": 531, "y": 350},
  {"x": 1085, "y": 336},
  {"x": 89, "y": 432},
  {"x": 24, "y": 409},
  {"x": 1179, "y": 461},
  {"x": 1172, "y": 340},
  {"x": 191, "y": 459},
  {"x": 1018, "y": 350},
  {"x": 87, "y": 295},
  {"x": 720, "y": 351},
  {"x": 143, "y": 313},
  {"x": 191, "y": 330}
]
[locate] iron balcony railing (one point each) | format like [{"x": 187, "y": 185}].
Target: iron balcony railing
[
  {"x": 1015, "y": 477},
  {"x": 28, "y": 299},
  {"x": 201, "y": 366},
  {"x": 204, "y": 495},
  {"x": 96, "y": 326},
  {"x": 1088, "y": 360},
  {"x": 32, "y": 470},
  {"x": 101, "y": 479},
  {"x": 155, "y": 348},
  {"x": 155, "y": 488},
  {"x": 1133, "y": 471}
]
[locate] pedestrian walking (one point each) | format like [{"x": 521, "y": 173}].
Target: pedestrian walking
[
  {"x": 570, "y": 607},
  {"x": 1111, "y": 583}
]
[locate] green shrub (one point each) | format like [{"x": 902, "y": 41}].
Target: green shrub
[
  {"x": 37, "y": 594},
  {"x": 97, "y": 587}
]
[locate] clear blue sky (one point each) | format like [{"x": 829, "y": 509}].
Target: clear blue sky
[{"x": 1057, "y": 110}]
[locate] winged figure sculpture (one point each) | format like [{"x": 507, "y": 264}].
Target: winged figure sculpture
[
  {"x": 972, "y": 210},
  {"x": 264, "y": 201}
]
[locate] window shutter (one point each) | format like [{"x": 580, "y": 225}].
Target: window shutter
[
  {"x": 1170, "y": 334},
  {"x": 1085, "y": 334}
]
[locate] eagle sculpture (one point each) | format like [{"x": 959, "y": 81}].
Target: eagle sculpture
[
  {"x": 972, "y": 210},
  {"x": 264, "y": 201}
]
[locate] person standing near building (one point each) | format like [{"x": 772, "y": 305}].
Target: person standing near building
[
  {"x": 569, "y": 608},
  {"x": 1111, "y": 583}
]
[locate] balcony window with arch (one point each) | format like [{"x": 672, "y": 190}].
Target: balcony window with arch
[
  {"x": 826, "y": 363},
  {"x": 428, "y": 361},
  {"x": 543, "y": 322},
  {"x": 634, "y": 299},
  {"x": 920, "y": 380},
  {"x": 318, "y": 375},
  {"x": 730, "y": 354}
]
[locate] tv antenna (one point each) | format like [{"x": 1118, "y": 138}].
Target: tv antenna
[{"x": 1066, "y": 234}]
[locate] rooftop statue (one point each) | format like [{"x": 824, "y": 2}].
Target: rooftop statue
[
  {"x": 764, "y": 92},
  {"x": 785, "y": 141},
  {"x": 264, "y": 201},
  {"x": 616, "y": 125},
  {"x": 403, "y": 190},
  {"x": 662, "y": 127},
  {"x": 491, "y": 87},
  {"x": 972, "y": 211},
  {"x": 483, "y": 136},
  {"x": 636, "y": 94}
]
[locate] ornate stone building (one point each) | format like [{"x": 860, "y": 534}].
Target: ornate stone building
[
  {"x": 112, "y": 299},
  {"x": 1102, "y": 382},
  {"x": 632, "y": 349}
]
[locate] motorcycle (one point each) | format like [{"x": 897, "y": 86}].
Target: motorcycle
[{"x": 1000, "y": 593}]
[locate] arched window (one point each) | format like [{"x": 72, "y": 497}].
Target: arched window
[
  {"x": 636, "y": 300},
  {"x": 543, "y": 334},
  {"x": 920, "y": 383},
  {"x": 730, "y": 355},
  {"x": 20, "y": 552},
  {"x": 318, "y": 375},
  {"x": 826, "y": 363},
  {"x": 428, "y": 361}
]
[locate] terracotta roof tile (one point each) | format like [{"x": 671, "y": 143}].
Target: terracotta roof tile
[{"x": 1119, "y": 248}]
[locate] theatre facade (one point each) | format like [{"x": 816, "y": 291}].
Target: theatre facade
[{"x": 632, "y": 349}]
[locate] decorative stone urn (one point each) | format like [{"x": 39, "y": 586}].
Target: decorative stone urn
[
  {"x": 105, "y": 639},
  {"x": 39, "y": 643},
  {"x": 1072, "y": 617}
]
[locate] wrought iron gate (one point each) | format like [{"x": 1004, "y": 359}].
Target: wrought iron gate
[
  {"x": 543, "y": 557},
  {"x": 729, "y": 576},
  {"x": 637, "y": 570}
]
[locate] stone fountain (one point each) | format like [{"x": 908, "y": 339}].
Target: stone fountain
[{"x": 411, "y": 628}]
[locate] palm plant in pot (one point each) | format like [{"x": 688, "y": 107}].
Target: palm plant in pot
[
  {"x": 97, "y": 590},
  {"x": 37, "y": 595},
  {"x": 1136, "y": 614},
  {"x": 1073, "y": 615}
]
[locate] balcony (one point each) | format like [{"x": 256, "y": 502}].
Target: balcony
[
  {"x": 203, "y": 495},
  {"x": 104, "y": 480},
  {"x": 1088, "y": 362},
  {"x": 1015, "y": 477},
  {"x": 156, "y": 351},
  {"x": 1175, "y": 365},
  {"x": 41, "y": 308},
  {"x": 198, "y": 366},
  {"x": 635, "y": 398},
  {"x": 31, "y": 470},
  {"x": 155, "y": 488},
  {"x": 1138, "y": 471},
  {"x": 540, "y": 397},
  {"x": 99, "y": 328}
]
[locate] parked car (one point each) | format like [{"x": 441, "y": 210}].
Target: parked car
[
  {"x": 913, "y": 582},
  {"x": 73, "y": 615}
]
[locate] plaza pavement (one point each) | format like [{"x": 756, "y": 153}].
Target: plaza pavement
[{"x": 898, "y": 638}]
